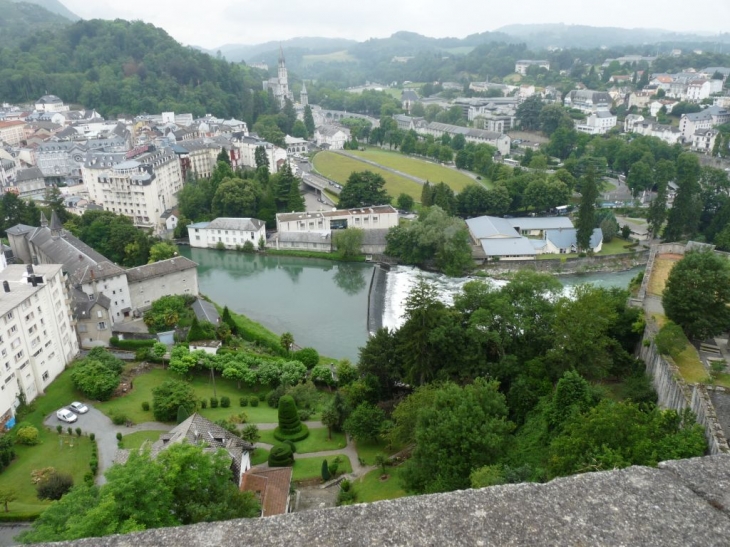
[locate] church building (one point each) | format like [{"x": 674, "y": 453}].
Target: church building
[{"x": 279, "y": 86}]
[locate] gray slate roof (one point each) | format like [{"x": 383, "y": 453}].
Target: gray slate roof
[
  {"x": 205, "y": 311},
  {"x": 517, "y": 246},
  {"x": 240, "y": 224},
  {"x": 491, "y": 227},
  {"x": 565, "y": 239},
  {"x": 163, "y": 267},
  {"x": 540, "y": 223},
  {"x": 32, "y": 173}
]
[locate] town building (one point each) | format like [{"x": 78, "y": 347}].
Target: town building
[
  {"x": 331, "y": 136},
  {"x": 705, "y": 119},
  {"x": 313, "y": 230},
  {"x": 522, "y": 65},
  {"x": 597, "y": 123},
  {"x": 12, "y": 132},
  {"x": 50, "y": 103},
  {"x": 247, "y": 146},
  {"x": 29, "y": 183},
  {"x": 500, "y": 141},
  {"x": 303, "y": 96},
  {"x": 231, "y": 232},
  {"x": 295, "y": 145},
  {"x": 272, "y": 487},
  {"x": 588, "y": 101},
  {"x": 37, "y": 338},
  {"x": 408, "y": 98},
  {"x": 150, "y": 282},
  {"x": 279, "y": 86},
  {"x": 704, "y": 140}
]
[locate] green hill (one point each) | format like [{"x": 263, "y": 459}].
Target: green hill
[
  {"x": 20, "y": 20},
  {"x": 54, "y": 6},
  {"x": 126, "y": 67}
]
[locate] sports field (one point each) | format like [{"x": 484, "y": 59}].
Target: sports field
[
  {"x": 422, "y": 169},
  {"x": 338, "y": 168}
]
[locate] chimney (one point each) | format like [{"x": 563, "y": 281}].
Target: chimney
[
  {"x": 34, "y": 280},
  {"x": 6, "y": 286},
  {"x": 29, "y": 268}
]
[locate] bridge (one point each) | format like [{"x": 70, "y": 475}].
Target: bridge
[
  {"x": 322, "y": 117},
  {"x": 320, "y": 183}
]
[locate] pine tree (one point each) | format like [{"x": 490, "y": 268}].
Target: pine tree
[
  {"x": 296, "y": 200},
  {"x": 427, "y": 195},
  {"x": 261, "y": 158},
  {"x": 325, "y": 471},
  {"x": 228, "y": 320},
  {"x": 309, "y": 120},
  {"x": 586, "y": 222},
  {"x": 684, "y": 217}
]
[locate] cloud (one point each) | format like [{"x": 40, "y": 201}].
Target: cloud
[{"x": 217, "y": 22}]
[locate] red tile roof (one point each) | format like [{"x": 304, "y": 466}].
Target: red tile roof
[{"x": 272, "y": 486}]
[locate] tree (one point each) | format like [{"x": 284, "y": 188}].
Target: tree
[
  {"x": 287, "y": 341},
  {"x": 349, "y": 242},
  {"x": 94, "y": 379},
  {"x": 587, "y": 210},
  {"x": 162, "y": 251},
  {"x": 169, "y": 396},
  {"x": 7, "y": 495},
  {"x": 325, "y": 471},
  {"x": 528, "y": 113},
  {"x": 363, "y": 189},
  {"x": 552, "y": 117},
  {"x": 663, "y": 173},
  {"x": 289, "y": 422},
  {"x": 365, "y": 422},
  {"x": 464, "y": 428},
  {"x": 697, "y": 294},
  {"x": 640, "y": 178},
  {"x": 54, "y": 486},
  {"x": 236, "y": 198},
  {"x": 684, "y": 217},
  {"x": 309, "y": 120},
  {"x": 405, "y": 202}
]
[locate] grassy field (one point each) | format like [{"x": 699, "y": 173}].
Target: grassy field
[
  {"x": 260, "y": 455},
  {"x": 136, "y": 440},
  {"x": 334, "y": 57},
  {"x": 663, "y": 264},
  {"x": 316, "y": 442},
  {"x": 688, "y": 359},
  {"x": 67, "y": 454},
  {"x": 339, "y": 168},
  {"x": 311, "y": 468},
  {"x": 369, "y": 487},
  {"x": 422, "y": 169},
  {"x": 367, "y": 451}
]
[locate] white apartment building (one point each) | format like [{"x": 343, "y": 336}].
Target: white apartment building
[
  {"x": 37, "y": 338},
  {"x": 704, "y": 140},
  {"x": 247, "y": 147},
  {"x": 332, "y": 136},
  {"x": 231, "y": 232},
  {"x": 597, "y": 123},
  {"x": 50, "y": 103},
  {"x": 12, "y": 132},
  {"x": 142, "y": 187},
  {"x": 588, "y": 100},
  {"x": 376, "y": 217},
  {"x": 705, "y": 119},
  {"x": 522, "y": 65}
]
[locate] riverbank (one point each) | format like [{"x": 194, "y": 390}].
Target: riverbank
[
  {"x": 566, "y": 266},
  {"x": 337, "y": 257}
]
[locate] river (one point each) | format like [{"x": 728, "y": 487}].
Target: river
[{"x": 324, "y": 304}]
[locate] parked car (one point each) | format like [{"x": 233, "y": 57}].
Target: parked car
[
  {"x": 65, "y": 415},
  {"x": 79, "y": 408}
]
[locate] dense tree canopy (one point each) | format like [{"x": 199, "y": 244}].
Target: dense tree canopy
[{"x": 363, "y": 189}]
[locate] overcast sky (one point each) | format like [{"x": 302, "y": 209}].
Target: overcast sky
[{"x": 213, "y": 23}]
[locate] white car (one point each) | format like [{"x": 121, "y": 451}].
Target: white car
[
  {"x": 65, "y": 415},
  {"x": 79, "y": 408}
]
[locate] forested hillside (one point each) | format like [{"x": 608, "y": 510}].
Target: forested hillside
[
  {"x": 20, "y": 20},
  {"x": 54, "y": 6},
  {"x": 126, "y": 67}
]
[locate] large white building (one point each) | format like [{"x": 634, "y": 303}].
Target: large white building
[
  {"x": 142, "y": 188},
  {"x": 705, "y": 119},
  {"x": 37, "y": 338},
  {"x": 331, "y": 136},
  {"x": 50, "y": 103},
  {"x": 522, "y": 65},
  {"x": 588, "y": 101},
  {"x": 597, "y": 123},
  {"x": 230, "y": 232},
  {"x": 247, "y": 146}
]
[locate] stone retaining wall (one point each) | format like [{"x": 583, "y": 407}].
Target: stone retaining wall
[{"x": 569, "y": 266}]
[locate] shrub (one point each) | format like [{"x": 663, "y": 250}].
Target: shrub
[
  {"x": 248, "y": 247},
  {"x": 94, "y": 465},
  {"x": 289, "y": 422},
  {"x": 274, "y": 395},
  {"x": 119, "y": 419},
  {"x": 305, "y": 395},
  {"x": 220, "y": 246},
  {"x": 92, "y": 436},
  {"x": 280, "y": 456},
  {"x": 335, "y": 466},
  {"x": 262, "y": 396},
  {"x": 308, "y": 356},
  {"x": 250, "y": 433},
  {"x": 70, "y": 431},
  {"x": 89, "y": 478},
  {"x": 240, "y": 418},
  {"x": 325, "y": 471},
  {"x": 54, "y": 486},
  {"x": 243, "y": 401},
  {"x": 142, "y": 354},
  {"x": 27, "y": 435},
  {"x": 254, "y": 401},
  {"x": 225, "y": 402},
  {"x": 182, "y": 414},
  {"x": 59, "y": 429},
  {"x": 204, "y": 403},
  {"x": 214, "y": 402},
  {"x": 670, "y": 340},
  {"x": 95, "y": 379},
  {"x": 291, "y": 446},
  {"x": 305, "y": 414},
  {"x": 78, "y": 432},
  {"x": 132, "y": 345},
  {"x": 167, "y": 398},
  {"x": 302, "y": 434},
  {"x": 145, "y": 406},
  {"x": 119, "y": 436},
  {"x": 346, "y": 495}
]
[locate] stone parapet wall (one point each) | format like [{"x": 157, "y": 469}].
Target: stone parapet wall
[{"x": 569, "y": 266}]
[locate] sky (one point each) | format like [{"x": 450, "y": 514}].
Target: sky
[{"x": 213, "y": 23}]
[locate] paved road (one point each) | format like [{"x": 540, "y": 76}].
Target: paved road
[{"x": 94, "y": 421}]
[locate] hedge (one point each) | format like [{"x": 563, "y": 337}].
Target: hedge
[
  {"x": 17, "y": 517},
  {"x": 131, "y": 344}
]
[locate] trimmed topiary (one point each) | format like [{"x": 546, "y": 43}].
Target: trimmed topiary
[
  {"x": 243, "y": 401},
  {"x": 289, "y": 422},
  {"x": 302, "y": 434},
  {"x": 291, "y": 445},
  {"x": 225, "y": 402},
  {"x": 214, "y": 402},
  {"x": 281, "y": 456},
  {"x": 254, "y": 401}
]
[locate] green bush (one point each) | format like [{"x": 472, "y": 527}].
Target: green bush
[
  {"x": 145, "y": 406},
  {"x": 225, "y": 402},
  {"x": 204, "y": 404},
  {"x": 54, "y": 486},
  {"x": 302, "y": 434},
  {"x": 305, "y": 414},
  {"x": 18, "y": 517},
  {"x": 248, "y": 247},
  {"x": 131, "y": 345},
  {"x": 78, "y": 432},
  {"x": 27, "y": 435},
  {"x": 119, "y": 436},
  {"x": 281, "y": 456},
  {"x": 59, "y": 429},
  {"x": 671, "y": 340},
  {"x": 272, "y": 399},
  {"x": 89, "y": 478},
  {"x": 214, "y": 402},
  {"x": 142, "y": 354},
  {"x": 346, "y": 495},
  {"x": 291, "y": 446},
  {"x": 243, "y": 401},
  {"x": 95, "y": 379},
  {"x": 182, "y": 414},
  {"x": 325, "y": 471},
  {"x": 169, "y": 396},
  {"x": 254, "y": 401},
  {"x": 262, "y": 396},
  {"x": 308, "y": 356},
  {"x": 119, "y": 419},
  {"x": 289, "y": 422},
  {"x": 92, "y": 437}
]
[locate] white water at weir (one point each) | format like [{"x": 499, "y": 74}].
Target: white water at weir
[{"x": 401, "y": 279}]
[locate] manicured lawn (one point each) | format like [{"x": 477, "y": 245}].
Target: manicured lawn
[
  {"x": 136, "y": 440},
  {"x": 369, "y": 487},
  {"x": 423, "y": 169},
  {"x": 316, "y": 442},
  {"x": 68, "y": 454},
  {"x": 368, "y": 451},
  {"x": 659, "y": 273},
  {"x": 339, "y": 168},
  {"x": 614, "y": 247},
  {"x": 311, "y": 468},
  {"x": 688, "y": 360},
  {"x": 260, "y": 455}
]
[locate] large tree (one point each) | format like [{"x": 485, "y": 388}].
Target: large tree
[
  {"x": 684, "y": 217},
  {"x": 697, "y": 294},
  {"x": 528, "y": 113},
  {"x": 586, "y": 221},
  {"x": 459, "y": 429},
  {"x": 363, "y": 189}
]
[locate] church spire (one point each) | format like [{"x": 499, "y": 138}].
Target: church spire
[
  {"x": 44, "y": 220},
  {"x": 281, "y": 55},
  {"x": 56, "y": 225}
]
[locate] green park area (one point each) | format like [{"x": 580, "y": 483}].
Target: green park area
[
  {"x": 311, "y": 468},
  {"x": 427, "y": 170},
  {"x": 614, "y": 247},
  {"x": 339, "y": 168},
  {"x": 317, "y": 441},
  {"x": 374, "y": 486}
]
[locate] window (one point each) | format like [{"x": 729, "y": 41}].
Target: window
[
  {"x": 15, "y": 343},
  {"x": 9, "y": 317},
  {"x": 13, "y": 329},
  {"x": 91, "y": 297},
  {"x": 19, "y": 355},
  {"x": 45, "y": 376},
  {"x": 102, "y": 325}
]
